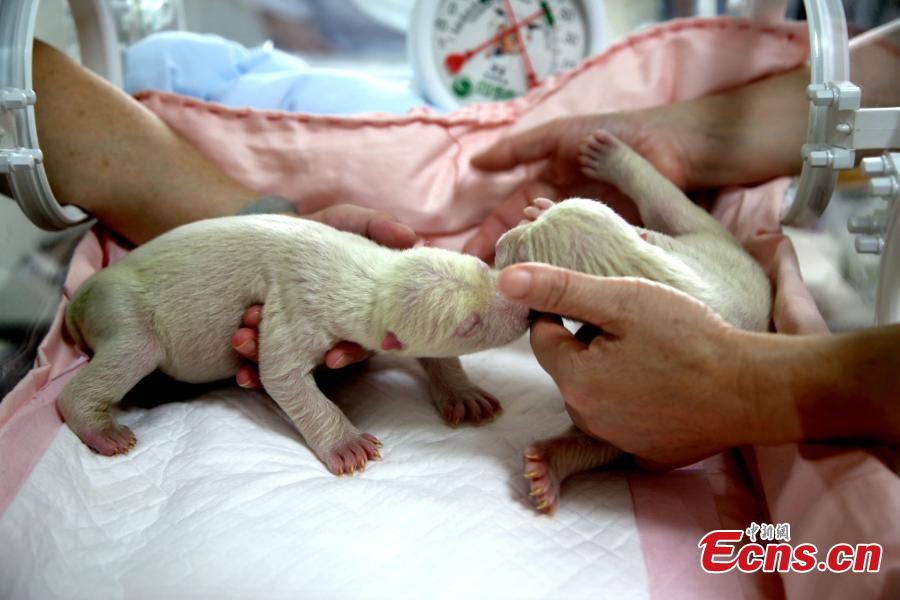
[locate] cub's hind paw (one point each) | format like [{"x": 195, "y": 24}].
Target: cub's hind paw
[
  {"x": 599, "y": 156},
  {"x": 110, "y": 440},
  {"x": 543, "y": 482},
  {"x": 351, "y": 456},
  {"x": 474, "y": 405}
]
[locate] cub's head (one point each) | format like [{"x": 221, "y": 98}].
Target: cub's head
[
  {"x": 436, "y": 303},
  {"x": 577, "y": 234}
]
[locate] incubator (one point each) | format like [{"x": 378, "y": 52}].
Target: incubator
[{"x": 222, "y": 494}]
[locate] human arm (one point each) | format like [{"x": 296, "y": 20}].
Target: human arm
[
  {"x": 746, "y": 134},
  {"x": 670, "y": 382},
  {"x": 106, "y": 153}
]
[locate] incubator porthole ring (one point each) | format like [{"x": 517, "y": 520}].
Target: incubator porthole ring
[{"x": 20, "y": 156}]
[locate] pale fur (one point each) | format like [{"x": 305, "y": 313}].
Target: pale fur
[
  {"x": 685, "y": 248},
  {"x": 174, "y": 304}
]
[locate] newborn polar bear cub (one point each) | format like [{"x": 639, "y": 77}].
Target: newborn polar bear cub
[
  {"x": 174, "y": 303},
  {"x": 683, "y": 247}
]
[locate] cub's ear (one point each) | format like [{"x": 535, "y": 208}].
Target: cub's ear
[
  {"x": 470, "y": 326},
  {"x": 391, "y": 342}
]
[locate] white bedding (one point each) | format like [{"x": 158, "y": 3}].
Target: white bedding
[{"x": 221, "y": 499}]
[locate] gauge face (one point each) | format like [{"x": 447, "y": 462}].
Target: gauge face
[{"x": 487, "y": 50}]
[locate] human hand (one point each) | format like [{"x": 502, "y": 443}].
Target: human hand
[
  {"x": 654, "y": 133},
  {"x": 378, "y": 226},
  {"x": 664, "y": 381}
]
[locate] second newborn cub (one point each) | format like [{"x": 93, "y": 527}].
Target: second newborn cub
[{"x": 683, "y": 246}]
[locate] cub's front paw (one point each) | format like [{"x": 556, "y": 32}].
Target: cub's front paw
[
  {"x": 109, "y": 440},
  {"x": 352, "y": 455},
  {"x": 468, "y": 404}
]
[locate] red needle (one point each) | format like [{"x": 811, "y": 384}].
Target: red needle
[
  {"x": 454, "y": 62},
  {"x": 529, "y": 69}
]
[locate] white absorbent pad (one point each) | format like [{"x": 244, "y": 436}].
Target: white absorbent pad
[{"x": 222, "y": 499}]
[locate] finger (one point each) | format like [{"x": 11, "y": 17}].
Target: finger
[
  {"x": 345, "y": 353},
  {"x": 554, "y": 346},
  {"x": 520, "y": 148},
  {"x": 595, "y": 300},
  {"x": 248, "y": 377},
  {"x": 379, "y": 226},
  {"x": 389, "y": 232},
  {"x": 253, "y": 316},
  {"x": 532, "y": 212},
  {"x": 483, "y": 243},
  {"x": 244, "y": 343},
  {"x": 503, "y": 218}
]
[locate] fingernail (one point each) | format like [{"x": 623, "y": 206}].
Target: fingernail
[
  {"x": 515, "y": 283},
  {"x": 342, "y": 361},
  {"x": 244, "y": 347},
  {"x": 243, "y": 380}
]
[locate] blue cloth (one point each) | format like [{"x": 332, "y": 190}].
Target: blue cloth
[{"x": 212, "y": 68}]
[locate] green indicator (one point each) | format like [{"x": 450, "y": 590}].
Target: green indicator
[
  {"x": 462, "y": 87},
  {"x": 548, "y": 13},
  {"x": 494, "y": 92}
]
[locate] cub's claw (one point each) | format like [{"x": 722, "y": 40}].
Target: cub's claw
[
  {"x": 544, "y": 487},
  {"x": 349, "y": 457}
]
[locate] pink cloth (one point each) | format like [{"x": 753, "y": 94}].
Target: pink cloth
[{"x": 417, "y": 167}]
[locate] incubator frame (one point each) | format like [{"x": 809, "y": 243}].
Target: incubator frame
[{"x": 20, "y": 155}]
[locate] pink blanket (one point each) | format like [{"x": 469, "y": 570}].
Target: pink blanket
[{"x": 417, "y": 167}]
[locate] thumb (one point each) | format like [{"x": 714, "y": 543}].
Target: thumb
[
  {"x": 554, "y": 346},
  {"x": 596, "y": 300},
  {"x": 513, "y": 150}
]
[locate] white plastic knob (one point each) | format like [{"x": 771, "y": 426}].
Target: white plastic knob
[
  {"x": 873, "y": 165},
  {"x": 818, "y": 158},
  {"x": 11, "y": 98},
  {"x": 883, "y": 186},
  {"x": 867, "y": 224},
  {"x": 869, "y": 244},
  {"x": 820, "y": 94},
  {"x": 19, "y": 159},
  {"x": 834, "y": 157}
]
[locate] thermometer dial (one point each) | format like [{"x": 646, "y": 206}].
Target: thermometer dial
[{"x": 467, "y": 51}]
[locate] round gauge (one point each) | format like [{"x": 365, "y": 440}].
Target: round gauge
[{"x": 465, "y": 51}]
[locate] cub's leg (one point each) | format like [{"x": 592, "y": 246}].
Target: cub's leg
[
  {"x": 550, "y": 461},
  {"x": 117, "y": 366},
  {"x": 288, "y": 379},
  {"x": 662, "y": 205},
  {"x": 456, "y": 398}
]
